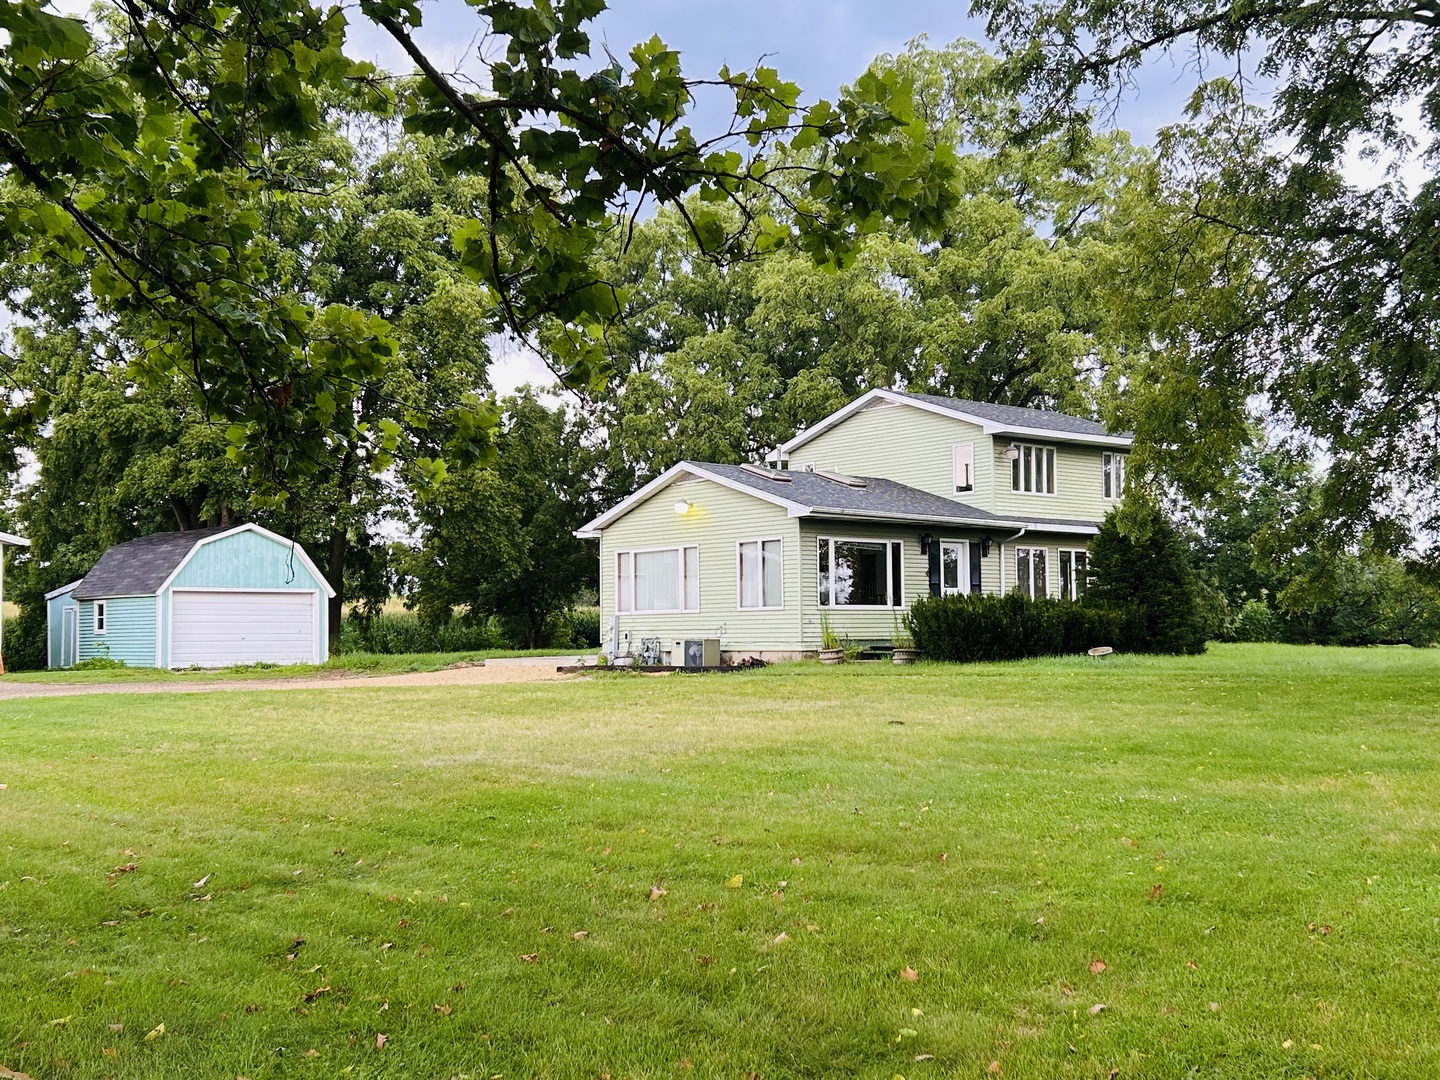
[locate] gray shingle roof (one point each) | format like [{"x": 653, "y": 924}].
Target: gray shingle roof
[
  {"x": 139, "y": 567},
  {"x": 879, "y": 496},
  {"x": 1014, "y": 416}
]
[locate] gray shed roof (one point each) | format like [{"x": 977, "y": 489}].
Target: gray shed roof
[
  {"x": 1014, "y": 416},
  {"x": 879, "y": 497},
  {"x": 139, "y": 567}
]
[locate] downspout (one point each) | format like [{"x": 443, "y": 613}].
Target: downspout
[{"x": 1024, "y": 529}]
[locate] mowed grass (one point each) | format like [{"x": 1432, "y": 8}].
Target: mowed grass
[{"x": 720, "y": 876}]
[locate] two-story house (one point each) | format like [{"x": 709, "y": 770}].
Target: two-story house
[{"x": 894, "y": 497}]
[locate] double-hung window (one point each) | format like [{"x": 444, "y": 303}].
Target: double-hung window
[
  {"x": 658, "y": 580},
  {"x": 760, "y": 573},
  {"x": 100, "y": 617},
  {"x": 1072, "y": 572},
  {"x": 1033, "y": 470},
  {"x": 963, "y": 460},
  {"x": 861, "y": 573},
  {"x": 1112, "y": 483},
  {"x": 1032, "y": 573}
]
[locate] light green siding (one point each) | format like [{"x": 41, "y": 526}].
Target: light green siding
[
  {"x": 719, "y": 519},
  {"x": 129, "y": 630},
  {"x": 901, "y": 443},
  {"x": 858, "y": 625},
  {"x": 1078, "y": 493},
  {"x": 915, "y": 446},
  {"x": 247, "y": 560}
]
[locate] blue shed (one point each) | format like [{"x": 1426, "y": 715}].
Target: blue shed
[{"x": 204, "y": 598}]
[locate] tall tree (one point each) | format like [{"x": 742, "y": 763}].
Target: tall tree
[
  {"x": 1340, "y": 335},
  {"x": 148, "y": 138},
  {"x": 500, "y": 541},
  {"x": 1014, "y": 301}
]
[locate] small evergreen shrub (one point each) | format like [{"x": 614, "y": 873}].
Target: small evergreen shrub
[
  {"x": 987, "y": 627},
  {"x": 1145, "y": 571}
]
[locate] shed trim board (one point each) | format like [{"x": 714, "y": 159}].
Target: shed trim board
[
  {"x": 312, "y": 596},
  {"x": 54, "y": 593}
]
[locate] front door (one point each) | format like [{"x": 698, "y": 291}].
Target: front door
[
  {"x": 69, "y": 636},
  {"x": 954, "y": 567}
]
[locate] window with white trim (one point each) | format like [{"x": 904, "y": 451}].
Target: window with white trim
[
  {"x": 658, "y": 580},
  {"x": 861, "y": 573},
  {"x": 963, "y": 459},
  {"x": 1032, "y": 572},
  {"x": 1033, "y": 471},
  {"x": 100, "y": 619},
  {"x": 1112, "y": 469},
  {"x": 1073, "y": 564},
  {"x": 760, "y": 575}
]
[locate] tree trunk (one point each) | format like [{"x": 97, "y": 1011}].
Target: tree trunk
[{"x": 340, "y": 544}]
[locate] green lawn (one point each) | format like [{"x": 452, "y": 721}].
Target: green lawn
[
  {"x": 717, "y": 876},
  {"x": 343, "y": 664}
]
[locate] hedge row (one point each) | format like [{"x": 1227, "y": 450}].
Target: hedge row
[{"x": 987, "y": 627}]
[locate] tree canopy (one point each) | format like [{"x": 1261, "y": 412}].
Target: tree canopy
[
  {"x": 153, "y": 141},
  {"x": 1337, "y": 334}
]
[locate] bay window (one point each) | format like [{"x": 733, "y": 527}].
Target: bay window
[
  {"x": 861, "y": 573},
  {"x": 658, "y": 580},
  {"x": 1032, "y": 573},
  {"x": 760, "y": 574},
  {"x": 1033, "y": 470}
]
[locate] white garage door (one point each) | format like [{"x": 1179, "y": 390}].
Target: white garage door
[{"x": 218, "y": 628}]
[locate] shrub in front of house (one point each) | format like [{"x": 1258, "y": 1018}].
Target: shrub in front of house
[
  {"x": 978, "y": 627},
  {"x": 1143, "y": 568}
]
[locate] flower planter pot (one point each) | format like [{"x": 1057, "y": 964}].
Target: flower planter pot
[
  {"x": 904, "y": 656},
  {"x": 832, "y": 656}
]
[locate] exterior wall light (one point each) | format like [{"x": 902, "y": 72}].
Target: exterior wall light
[
  {"x": 683, "y": 507},
  {"x": 1012, "y": 452},
  {"x": 925, "y": 541}
]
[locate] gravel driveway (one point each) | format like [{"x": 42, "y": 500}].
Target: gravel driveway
[{"x": 509, "y": 670}]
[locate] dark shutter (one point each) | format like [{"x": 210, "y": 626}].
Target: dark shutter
[
  {"x": 934, "y": 575},
  {"x": 974, "y": 546}
]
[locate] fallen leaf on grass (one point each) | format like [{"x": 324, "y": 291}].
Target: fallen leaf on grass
[
  {"x": 1192, "y": 965},
  {"x": 312, "y": 1052},
  {"x": 924, "y": 1057},
  {"x": 61, "y": 1021},
  {"x": 155, "y": 1033},
  {"x": 781, "y": 938},
  {"x": 656, "y": 892},
  {"x": 579, "y": 935},
  {"x": 380, "y": 1041},
  {"x": 11, "y": 1074},
  {"x": 906, "y": 1033},
  {"x": 909, "y": 974},
  {"x": 530, "y": 957},
  {"x": 1155, "y": 891},
  {"x": 1097, "y": 966},
  {"x": 443, "y": 1009},
  {"x": 201, "y": 883},
  {"x": 202, "y": 899},
  {"x": 117, "y": 1028},
  {"x": 1287, "y": 1044},
  {"x": 110, "y": 1051},
  {"x": 1097, "y": 1008},
  {"x": 735, "y": 882},
  {"x": 313, "y": 994},
  {"x": 993, "y": 1068},
  {"x": 127, "y": 868}
]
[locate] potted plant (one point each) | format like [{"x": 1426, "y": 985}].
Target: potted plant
[
  {"x": 905, "y": 651},
  {"x": 831, "y": 651}
]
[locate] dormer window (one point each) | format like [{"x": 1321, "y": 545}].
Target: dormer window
[
  {"x": 1032, "y": 470},
  {"x": 963, "y": 457},
  {"x": 1112, "y": 486}
]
